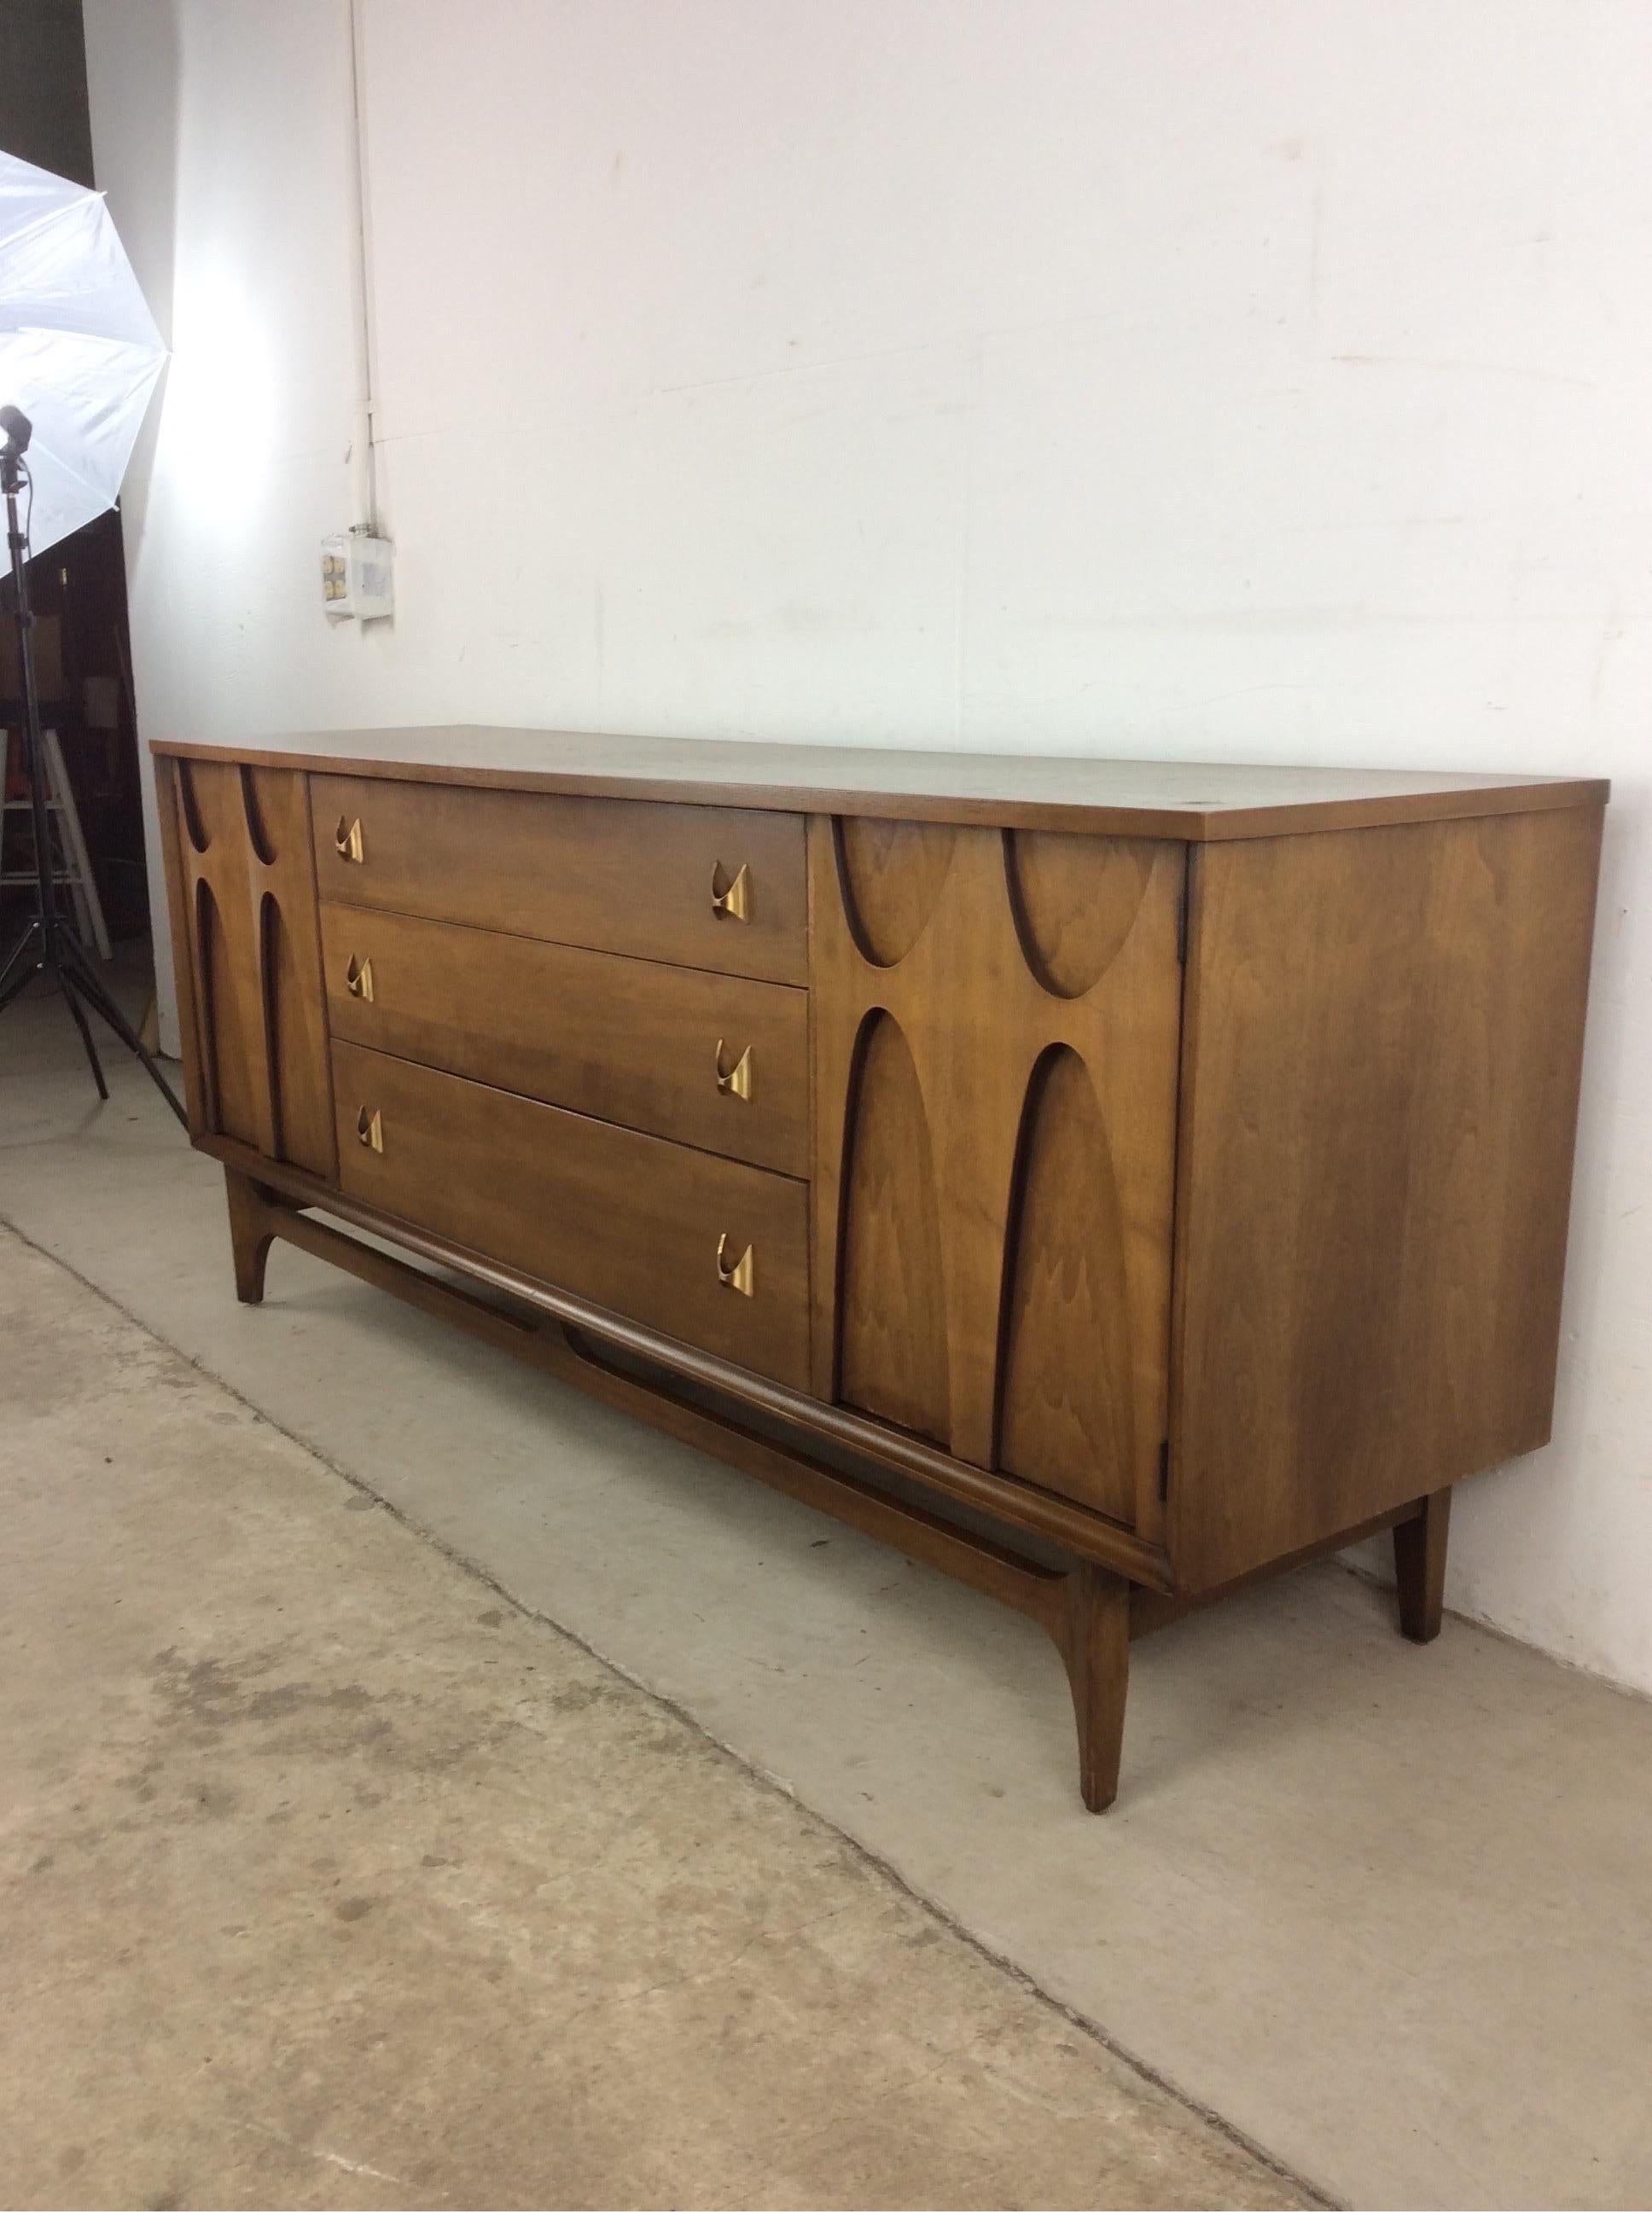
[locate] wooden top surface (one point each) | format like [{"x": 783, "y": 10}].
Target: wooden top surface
[{"x": 1144, "y": 799}]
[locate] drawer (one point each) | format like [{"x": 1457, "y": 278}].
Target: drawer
[
  {"x": 718, "y": 888},
  {"x": 718, "y": 1062},
  {"x": 632, "y": 1223}
]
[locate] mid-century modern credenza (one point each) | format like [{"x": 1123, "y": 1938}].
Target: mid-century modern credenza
[{"x": 1105, "y": 1181}]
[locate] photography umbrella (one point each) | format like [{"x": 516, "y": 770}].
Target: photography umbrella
[
  {"x": 79, "y": 357},
  {"x": 79, "y": 351}
]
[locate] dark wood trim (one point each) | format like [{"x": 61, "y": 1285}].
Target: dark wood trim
[
  {"x": 1000, "y": 792},
  {"x": 180, "y": 914},
  {"x": 1083, "y": 1609},
  {"x": 987, "y": 1566},
  {"x": 1177, "y": 1510},
  {"x": 1420, "y": 1567},
  {"x": 1093, "y": 1638},
  {"x": 1087, "y": 1537},
  {"x": 1090, "y": 1614},
  {"x": 1151, "y": 1610},
  {"x": 251, "y": 1216}
]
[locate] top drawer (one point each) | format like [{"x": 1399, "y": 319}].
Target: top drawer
[{"x": 704, "y": 887}]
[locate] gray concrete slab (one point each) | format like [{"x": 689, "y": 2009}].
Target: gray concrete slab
[
  {"x": 326, "y": 1880},
  {"x": 1387, "y": 1909}
]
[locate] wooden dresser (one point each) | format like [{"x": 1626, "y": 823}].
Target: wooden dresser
[{"x": 1105, "y": 1181}]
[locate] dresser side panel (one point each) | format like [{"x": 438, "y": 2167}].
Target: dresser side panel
[{"x": 1383, "y": 1055}]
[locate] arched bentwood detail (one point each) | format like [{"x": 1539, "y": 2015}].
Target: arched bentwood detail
[
  {"x": 1068, "y": 1400},
  {"x": 259, "y": 1071},
  {"x": 996, "y": 1032},
  {"x": 892, "y": 1354}
]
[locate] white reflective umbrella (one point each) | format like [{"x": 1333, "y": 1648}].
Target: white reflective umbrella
[{"x": 79, "y": 351}]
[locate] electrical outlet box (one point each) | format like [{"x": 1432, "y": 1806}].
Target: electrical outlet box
[{"x": 358, "y": 577}]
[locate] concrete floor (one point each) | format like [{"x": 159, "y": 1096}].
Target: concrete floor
[
  {"x": 1387, "y": 1910},
  {"x": 328, "y": 1880}
]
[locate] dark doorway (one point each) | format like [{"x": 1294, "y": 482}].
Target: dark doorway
[{"x": 79, "y": 587}]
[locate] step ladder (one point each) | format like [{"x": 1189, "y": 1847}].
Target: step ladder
[{"x": 71, "y": 867}]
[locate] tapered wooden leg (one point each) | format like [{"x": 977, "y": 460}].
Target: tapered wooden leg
[
  {"x": 1420, "y": 1567},
  {"x": 250, "y": 1235},
  {"x": 1095, "y": 1644}
]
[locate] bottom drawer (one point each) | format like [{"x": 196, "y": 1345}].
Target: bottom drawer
[{"x": 646, "y": 1228}]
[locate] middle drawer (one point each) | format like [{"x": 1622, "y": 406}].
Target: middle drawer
[{"x": 713, "y": 1060}]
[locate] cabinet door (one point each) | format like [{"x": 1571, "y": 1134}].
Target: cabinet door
[
  {"x": 247, "y": 954},
  {"x": 997, "y": 1021}
]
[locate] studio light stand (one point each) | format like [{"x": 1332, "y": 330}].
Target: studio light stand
[{"x": 49, "y": 945}]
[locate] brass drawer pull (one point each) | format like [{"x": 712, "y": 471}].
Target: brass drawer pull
[
  {"x": 369, "y": 1128},
  {"x": 736, "y": 1274},
  {"x": 737, "y": 1080},
  {"x": 358, "y": 978},
  {"x": 735, "y": 896},
  {"x": 347, "y": 839}
]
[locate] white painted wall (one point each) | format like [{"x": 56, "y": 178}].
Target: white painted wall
[{"x": 1155, "y": 376}]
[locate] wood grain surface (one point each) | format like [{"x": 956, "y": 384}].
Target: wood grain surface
[
  {"x": 1102, "y": 790},
  {"x": 996, "y": 1035},
  {"x": 1383, "y": 1043},
  {"x": 1170, "y": 1163},
  {"x": 246, "y": 952},
  {"x": 632, "y": 1041},
  {"x": 632, "y": 1223},
  {"x": 642, "y": 879}
]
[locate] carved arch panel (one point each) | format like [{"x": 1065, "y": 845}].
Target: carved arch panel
[
  {"x": 249, "y": 961},
  {"x": 997, "y": 1028}
]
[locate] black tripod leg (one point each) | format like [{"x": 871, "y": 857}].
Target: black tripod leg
[
  {"x": 11, "y": 983},
  {"x": 71, "y": 992},
  {"x": 17, "y": 984},
  {"x": 86, "y": 982},
  {"x": 16, "y": 954}
]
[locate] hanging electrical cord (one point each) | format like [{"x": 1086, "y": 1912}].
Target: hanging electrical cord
[{"x": 364, "y": 435}]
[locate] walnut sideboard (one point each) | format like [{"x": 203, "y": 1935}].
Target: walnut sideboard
[{"x": 1107, "y": 1181}]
